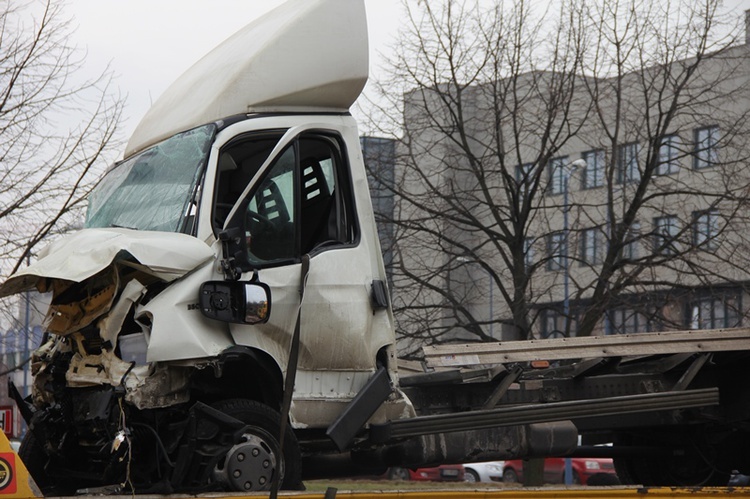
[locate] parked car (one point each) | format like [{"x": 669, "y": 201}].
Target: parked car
[
  {"x": 491, "y": 471},
  {"x": 737, "y": 479},
  {"x": 586, "y": 471},
  {"x": 443, "y": 473}
]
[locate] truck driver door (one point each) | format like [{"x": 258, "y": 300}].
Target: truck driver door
[{"x": 302, "y": 203}]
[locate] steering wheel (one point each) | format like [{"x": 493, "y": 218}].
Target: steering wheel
[{"x": 265, "y": 222}]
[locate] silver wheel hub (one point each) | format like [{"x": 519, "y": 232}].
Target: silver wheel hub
[{"x": 249, "y": 465}]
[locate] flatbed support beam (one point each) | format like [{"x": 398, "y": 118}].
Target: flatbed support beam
[
  {"x": 542, "y": 413},
  {"x": 619, "y": 345}
]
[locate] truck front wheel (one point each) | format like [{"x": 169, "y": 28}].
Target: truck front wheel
[
  {"x": 254, "y": 460},
  {"x": 33, "y": 456}
]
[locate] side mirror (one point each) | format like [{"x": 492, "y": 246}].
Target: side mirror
[{"x": 240, "y": 302}]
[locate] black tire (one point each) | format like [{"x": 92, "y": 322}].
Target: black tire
[
  {"x": 693, "y": 467},
  {"x": 687, "y": 471},
  {"x": 265, "y": 425},
  {"x": 33, "y": 457},
  {"x": 603, "y": 479},
  {"x": 397, "y": 473},
  {"x": 510, "y": 475},
  {"x": 471, "y": 476}
]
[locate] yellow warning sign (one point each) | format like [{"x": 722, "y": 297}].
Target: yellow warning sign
[{"x": 15, "y": 480}]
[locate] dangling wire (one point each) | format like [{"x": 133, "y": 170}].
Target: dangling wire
[
  {"x": 126, "y": 436},
  {"x": 128, "y": 441}
]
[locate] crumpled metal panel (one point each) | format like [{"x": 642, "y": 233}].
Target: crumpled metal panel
[
  {"x": 178, "y": 330},
  {"x": 81, "y": 255}
]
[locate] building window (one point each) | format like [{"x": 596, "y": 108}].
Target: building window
[
  {"x": 556, "y": 251},
  {"x": 556, "y": 183},
  {"x": 631, "y": 243},
  {"x": 669, "y": 151},
  {"x": 706, "y": 147},
  {"x": 626, "y": 321},
  {"x": 594, "y": 174},
  {"x": 666, "y": 230},
  {"x": 714, "y": 312},
  {"x": 528, "y": 252},
  {"x": 706, "y": 229},
  {"x": 627, "y": 163},
  {"x": 555, "y": 324},
  {"x": 591, "y": 246}
]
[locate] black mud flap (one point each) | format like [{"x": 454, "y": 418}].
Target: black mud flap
[
  {"x": 25, "y": 408},
  {"x": 360, "y": 409}
]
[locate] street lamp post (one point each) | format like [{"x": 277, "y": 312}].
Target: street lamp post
[{"x": 567, "y": 173}]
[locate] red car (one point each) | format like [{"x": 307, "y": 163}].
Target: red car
[
  {"x": 442, "y": 473},
  {"x": 554, "y": 471}
]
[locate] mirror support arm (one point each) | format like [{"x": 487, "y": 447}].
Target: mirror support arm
[{"x": 230, "y": 240}]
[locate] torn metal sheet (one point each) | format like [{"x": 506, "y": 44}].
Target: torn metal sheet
[
  {"x": 74, "y": 307},
  {"x": 110, "y": 326}
]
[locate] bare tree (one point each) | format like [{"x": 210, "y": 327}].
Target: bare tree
[
  {"x": 674, "y": 215},
  {"x": 57, "y": 130},
  {"x": 499, "y": 233}
]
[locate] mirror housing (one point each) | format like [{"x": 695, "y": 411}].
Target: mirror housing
[{"x": 239, "y": 302}]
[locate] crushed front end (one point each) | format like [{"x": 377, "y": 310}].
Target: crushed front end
[{"x": 100, "y": 415}]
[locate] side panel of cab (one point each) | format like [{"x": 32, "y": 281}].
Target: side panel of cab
[{"x": 308, "y": 196}]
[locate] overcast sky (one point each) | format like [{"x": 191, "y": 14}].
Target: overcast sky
[{"x": 149, "y": 43}]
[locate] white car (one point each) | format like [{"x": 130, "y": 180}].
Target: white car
[{"x": 491, "y": 471}]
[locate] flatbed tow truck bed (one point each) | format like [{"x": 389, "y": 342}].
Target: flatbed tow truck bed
[{"x": 16, "y": 483}]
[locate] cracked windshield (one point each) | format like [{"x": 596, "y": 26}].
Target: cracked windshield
[{"x": 155, "y": 189}]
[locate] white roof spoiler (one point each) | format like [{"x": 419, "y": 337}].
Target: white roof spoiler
[{"x": 304, "y": 56}]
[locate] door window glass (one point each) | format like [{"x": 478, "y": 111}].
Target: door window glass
[
  {"x": 270, "y": 221},
  {"x": 302, "y": 204}
]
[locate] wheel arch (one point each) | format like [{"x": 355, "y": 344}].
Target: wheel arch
[{"x": 236, "y": 368}]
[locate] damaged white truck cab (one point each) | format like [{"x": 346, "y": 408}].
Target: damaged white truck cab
[{"x": 135, "y": 289}]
